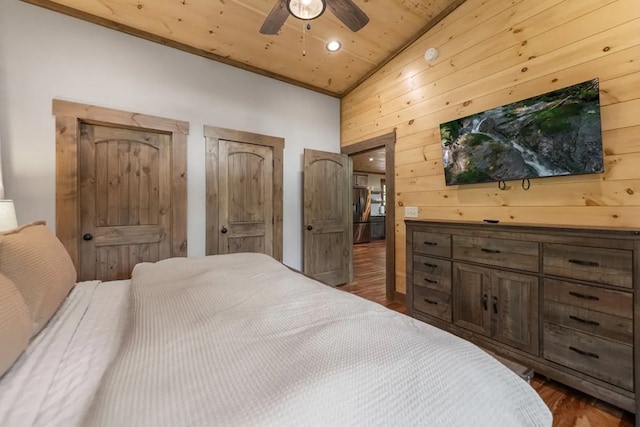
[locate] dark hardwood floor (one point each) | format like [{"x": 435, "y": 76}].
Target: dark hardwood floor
[
  {"x": 570, "y": 407},
  {"x": 369, "y": 274}
]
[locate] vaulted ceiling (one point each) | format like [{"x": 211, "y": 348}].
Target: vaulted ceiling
[{"x": 228, "y": 31}]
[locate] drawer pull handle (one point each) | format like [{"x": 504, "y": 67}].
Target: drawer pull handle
[
  {"x": 429, "y": 301},
  {"x": 584, "y": 353},
  {"x": 495, "y": 305},
  {"x": 430, "y": 281},
  {"x": 586, "y": 322},
  {"x": 490, "y": 251},
  {"x": 583, "y": 296},
  {"x": 431, "y": 243},
  {"x": 430, "y": 265},
  {"x": 485, "y": 301},
  {"x": 585, "y": 263}
]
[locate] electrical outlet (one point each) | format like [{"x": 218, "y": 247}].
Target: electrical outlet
[{"x": 411, "y": 212}]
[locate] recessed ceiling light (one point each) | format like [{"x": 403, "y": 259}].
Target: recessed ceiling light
[
  {"x": 371, "y": 159},
  {"x": 431, "y": 54},
  {"x": 334, "y": 46}
]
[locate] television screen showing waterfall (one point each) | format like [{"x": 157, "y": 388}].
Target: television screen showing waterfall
[{"x": 557, "y": 133}]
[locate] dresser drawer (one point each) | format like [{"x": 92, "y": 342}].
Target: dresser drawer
[
  {"x": 432, "y": 302},
  {"x": 609, "y": 361},
  {"x": 432, "y": 273},
  {"x": 438, "y": 244},
  {"x": 514, "y": 254},
  {"x": 602, "y": 325},
  {"x": 610, "y": 266},
  {"x": 607, "y": 301}
]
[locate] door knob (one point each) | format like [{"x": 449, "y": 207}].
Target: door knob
[
  {"x": 87, "y": 236},
  {"x": 224, "y": 230},
  {"x": 309, "y": 227}
]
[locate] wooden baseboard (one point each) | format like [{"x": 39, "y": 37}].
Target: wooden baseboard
[{"x": 401, "y": 298}]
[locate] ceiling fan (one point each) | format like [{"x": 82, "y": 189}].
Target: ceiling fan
[{"x": 345, "y": 10}]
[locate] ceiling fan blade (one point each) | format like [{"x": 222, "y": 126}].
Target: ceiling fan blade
[
  {"x": 275, "y": 19},
  {"x": 350, "y": 14}
]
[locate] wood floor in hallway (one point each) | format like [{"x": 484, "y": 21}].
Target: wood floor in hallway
[
  {"x": 570, "y": 407},
  {"x": 369, "y": 274}
]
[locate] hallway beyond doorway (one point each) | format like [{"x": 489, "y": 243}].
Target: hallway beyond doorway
[{"x": 369, "y": 274}]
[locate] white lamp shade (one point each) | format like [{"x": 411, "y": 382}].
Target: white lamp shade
[
  {"x": 8, "y": 219},
  {"x": 306, "y": 9}
]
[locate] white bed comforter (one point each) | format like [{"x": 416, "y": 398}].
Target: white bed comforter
[
  {"x": 239, "y": 339},
  {"x": 52, "y": 384}
]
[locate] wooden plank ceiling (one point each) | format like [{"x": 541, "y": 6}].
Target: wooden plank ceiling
[{"x": 228, "y": 31}]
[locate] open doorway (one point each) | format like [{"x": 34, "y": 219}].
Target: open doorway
[{"x": 373, "y": 262}]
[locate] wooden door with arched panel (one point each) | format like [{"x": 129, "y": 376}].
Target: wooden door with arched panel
[
  {"x": 125, "y": 200},
  {"x": 244, "y": 176},
  {"x": 121, "y": 188}
]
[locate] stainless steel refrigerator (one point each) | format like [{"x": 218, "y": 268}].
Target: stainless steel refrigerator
[{"x": 361, "y": 215}]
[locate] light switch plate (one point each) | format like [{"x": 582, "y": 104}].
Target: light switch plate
[{"x": 410, "y": 212}]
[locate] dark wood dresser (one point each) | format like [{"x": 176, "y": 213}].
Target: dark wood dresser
[{"x": 563, "y": 301}]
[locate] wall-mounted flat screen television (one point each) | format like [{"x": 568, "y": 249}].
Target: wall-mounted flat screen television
[{"x": 557, "y": 133}]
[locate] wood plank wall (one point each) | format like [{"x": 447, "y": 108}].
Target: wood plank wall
[{"x": 493, "y": 52}]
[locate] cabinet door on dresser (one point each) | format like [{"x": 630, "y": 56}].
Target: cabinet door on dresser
[
  {"x": 499, "y": 304},
  {"x": 514, "y": 307},
  {"x": 471, "y": 297}
]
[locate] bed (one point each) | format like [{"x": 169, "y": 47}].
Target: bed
[{"x": 233, "y": 340}]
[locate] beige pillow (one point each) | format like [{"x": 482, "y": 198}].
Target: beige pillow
[
  {"x": 15, "y": 324},
  {"x": 40, "y": 267}
]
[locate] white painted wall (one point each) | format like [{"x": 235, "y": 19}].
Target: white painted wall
[{"x": 45, "y": 55}]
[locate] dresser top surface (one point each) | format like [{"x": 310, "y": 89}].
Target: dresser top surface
[{"x": 622, "y": 232}]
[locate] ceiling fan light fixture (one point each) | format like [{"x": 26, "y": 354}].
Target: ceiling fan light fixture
[
  {"x": 306, "y": 9},
  {"x": 334, "y": 46}
]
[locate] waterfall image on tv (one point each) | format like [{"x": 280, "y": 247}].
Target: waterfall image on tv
[{"x": 557, "y": 133}]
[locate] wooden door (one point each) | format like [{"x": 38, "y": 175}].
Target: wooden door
[
  {"x": 471, "y": 297},
  {"x": 246, "y": 198},
  {"x": 244, "y": 174},
  {"x": 514, "y": 302},
  {"x": 326, "y": 218},
  {"x": 125, "y": 200}
]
